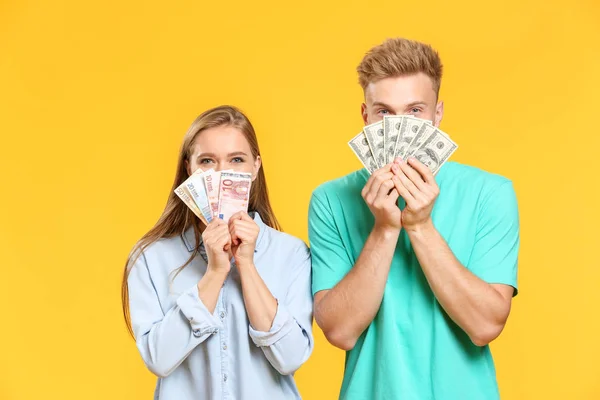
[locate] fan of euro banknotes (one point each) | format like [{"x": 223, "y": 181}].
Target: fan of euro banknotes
[
  {"x": 216, "y": 194},
  {"x": 402, "y": 136}
]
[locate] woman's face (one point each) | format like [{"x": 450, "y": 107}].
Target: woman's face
[{"x": 222, "y": 148}]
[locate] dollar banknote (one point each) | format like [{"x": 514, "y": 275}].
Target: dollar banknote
[
  {"x": 182, "y": 192},
  {"x": 403, "y": 136},
  {"x": 408, "y": 129},
  {"x": 234, "y": 193},
  {"x": 361, "y": 149},
  {"x": 425, "y": 121},
  {"x": 423, "y": 133},
  {"x": 196, "y": 187},
  {"x": 375, "y": 138},
  {"x": 435, "y": 150},
  {"x": 391, "y": 130}
]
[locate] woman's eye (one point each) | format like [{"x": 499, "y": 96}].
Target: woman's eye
[
  {"x": 205, "y": 161},
  {"x": 237, "y": 160}
]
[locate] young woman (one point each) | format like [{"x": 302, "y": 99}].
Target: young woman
[{"x": 222, "y": 311}]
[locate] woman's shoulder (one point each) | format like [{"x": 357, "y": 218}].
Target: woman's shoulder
[
  {"x": 284, "y": 243},
  {"x": 284, "y": 239},
  {"x": 162, "y": 249},
  {"x": 282, "y": 258}
]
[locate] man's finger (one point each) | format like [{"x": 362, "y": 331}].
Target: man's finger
[
  {"x": 384, "y": 189},
  {"x": 393, "y": 196},
  {"x": 375, "y": 177},
  {"x": 378, "y": 181},
  {"x": 422, "y": 169},
  {"x": 408, "y": 184},
  {"x": 403, "y": 191},
  {"x": 413, "y": 175}
]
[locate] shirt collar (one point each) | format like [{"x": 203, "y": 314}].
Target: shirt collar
[{"x": 189, "y": 238}]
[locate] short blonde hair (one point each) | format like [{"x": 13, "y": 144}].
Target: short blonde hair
[{"x": 398, "y": 57}]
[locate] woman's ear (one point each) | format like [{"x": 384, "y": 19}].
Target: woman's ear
[{"x": 257, "y": 165}]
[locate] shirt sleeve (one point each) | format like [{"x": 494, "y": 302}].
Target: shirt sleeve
[
  {"x": 330, "y": 260},
  {"x": 495, "y": 254},
  {"x": 289, "y": 342},
  {"x": 165, "y": 339}
]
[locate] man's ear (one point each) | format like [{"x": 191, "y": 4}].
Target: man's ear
[
  {"x": 439, "y": 114},
  {"x": 364, "y": 112}
]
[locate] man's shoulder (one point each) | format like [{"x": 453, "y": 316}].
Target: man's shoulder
[
  {"x": 347, "y": 185},
  {"x": 469, "y": 178},
  {"x": 340, "y": 195}
]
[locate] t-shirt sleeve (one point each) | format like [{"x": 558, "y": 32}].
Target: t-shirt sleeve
[
  {"x": 495, "y": 254},
  {"x": 330, "y": 261}
]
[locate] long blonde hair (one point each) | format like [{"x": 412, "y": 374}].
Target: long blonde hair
[{"x": 177, "y": 217}]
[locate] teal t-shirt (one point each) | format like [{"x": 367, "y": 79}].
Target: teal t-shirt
[{"x": 412, "y": 350}]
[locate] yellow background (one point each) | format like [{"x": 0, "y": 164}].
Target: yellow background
[{"x": 95, "y": 99}]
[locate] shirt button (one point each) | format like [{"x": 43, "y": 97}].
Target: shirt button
[
  {"x": 225, "y": 378},
  {"x": 197, "y": 332},
  {"x": 224, "y": 347},
  {"x": 222, "y": 315}
]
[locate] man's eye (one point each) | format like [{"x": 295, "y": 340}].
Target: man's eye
[
  {"x": 416, "y": 110},
  {"x": 383, "y": 112}
]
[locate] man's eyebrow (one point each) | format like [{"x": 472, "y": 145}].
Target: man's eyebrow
[
  {"x": 409, "y": 105},
  {"x": 416, "y": 103},
  {"x": 382, "y": 104}
]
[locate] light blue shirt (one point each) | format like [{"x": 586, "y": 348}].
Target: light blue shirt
[{"x": 199, "y": 355}]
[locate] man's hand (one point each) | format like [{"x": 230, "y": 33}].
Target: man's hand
[
  {"x": 381, "y": 197},
  {"x": 416, "y": 185}
]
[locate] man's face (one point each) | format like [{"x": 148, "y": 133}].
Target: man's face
[{"x": 408, "y": 94}]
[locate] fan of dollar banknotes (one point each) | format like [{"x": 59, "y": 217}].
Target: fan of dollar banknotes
[
  {"x": 216, "y": 194},
  {"x": 402, "y": 136}
]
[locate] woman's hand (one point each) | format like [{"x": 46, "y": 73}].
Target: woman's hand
[
  {"x": 217, "y": 242},
  {"x": 244, "y": 233}
]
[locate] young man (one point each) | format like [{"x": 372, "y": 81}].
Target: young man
[{"x": 413, "y": 275}]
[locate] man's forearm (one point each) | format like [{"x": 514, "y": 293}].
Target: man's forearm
[
  {"x": 474, "y": 305},
  {"x": 347, "y": 310}
]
